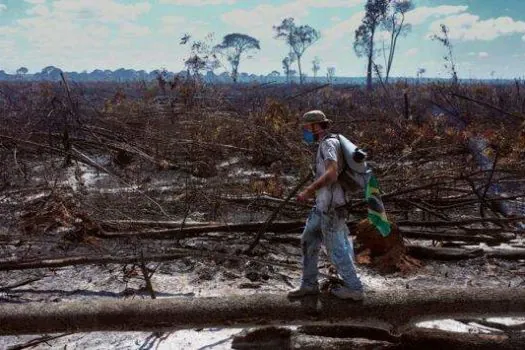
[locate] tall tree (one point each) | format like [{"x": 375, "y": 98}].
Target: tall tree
[
  {"x": 298, "y": 38},
  {"x": 394, "y": 23},
  {"x": 21, "y": 71},
  {"x": 375, "y": 14},
  {"x": 330, "y": 74},
  {"x": 287, "y": 66},
  {"x": 450, "y": 62},
  {"x": 316, "y": 66},
  {"x": 233, "y": 47},
  {"x": 420, "y": 73}
]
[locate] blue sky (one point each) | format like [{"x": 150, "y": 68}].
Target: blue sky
[{"x": 488, "y": 35}]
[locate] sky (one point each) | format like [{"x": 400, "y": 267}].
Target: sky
[{"x": 488, "y": 36}]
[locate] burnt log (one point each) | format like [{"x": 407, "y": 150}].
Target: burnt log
[{"x": 394, "y": 310}]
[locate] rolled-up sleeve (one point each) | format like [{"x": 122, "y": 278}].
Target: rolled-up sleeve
[{"x": 329, "y": 149}]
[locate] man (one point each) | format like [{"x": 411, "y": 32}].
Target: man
[{"x": 326, "y": 223}]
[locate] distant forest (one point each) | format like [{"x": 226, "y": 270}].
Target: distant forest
[{"x": 52, "y": 73}]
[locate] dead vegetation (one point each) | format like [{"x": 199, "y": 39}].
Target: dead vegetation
[
  {"x": 116, "y": 168},
  {"x": 446, "y": 157}
]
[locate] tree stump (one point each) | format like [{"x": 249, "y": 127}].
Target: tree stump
[{"x": 387, "y": 254}]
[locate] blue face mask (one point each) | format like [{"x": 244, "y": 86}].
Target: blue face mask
[{"x": 309, "y": 137}]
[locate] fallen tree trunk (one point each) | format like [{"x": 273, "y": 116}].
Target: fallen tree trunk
[
  {"x": 286, "y": 339},
  {"x": 464, "y": 253},
  {"x": 460, "y": 222},
  {"x": 352, "y": 337},
  {"x": 436, "y": 339},
  {"x": 48, "y": 263},
  {"x": 445, "y": 254},
  {"x": 195, "y": 229},
  {"x": 392, "y": 310},
  {"x": 413, "y": 250},
  {"x": 456, "y": 235}
]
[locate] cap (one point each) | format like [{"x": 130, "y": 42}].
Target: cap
[{"x": 315, "y": 116}]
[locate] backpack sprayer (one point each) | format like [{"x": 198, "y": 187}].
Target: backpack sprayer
[
  {"x": 357, "y": 171},
  {"x": 355, "y": 162}
]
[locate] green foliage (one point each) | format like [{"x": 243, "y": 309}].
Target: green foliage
[
  {"x": 298, "y": 38},
  {"x": 233, "y": 46},
  {"x": 394, "y": 23},
  {"x": 376, "y": 11}
]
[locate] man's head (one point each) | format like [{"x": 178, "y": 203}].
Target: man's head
[{"x": 314, "y": 124}]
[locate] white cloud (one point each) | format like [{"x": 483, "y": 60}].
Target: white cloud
[
  {"x": 467, "y": 26},
  {"x": 2, "y": 7},
  {"x": 38, "y": 10},
  {"x": 178, "y": 25},
  {"x": 343, "y": 31},
  {"x": 338, "y": 41},
  {"x": 7, "y": 30},
  {"x": 76, "y": 34},
  {"x": 483, "y": 55},
  {"x": 421, "y": 14},
  {"x": 264, "y": 16},
  {"x": 133, "y": 30},
  {"x": 305, "y": 3},
  {"x": 34, "y": 2},
  {"x": 412, "y": 52},
  {"x": 331, "y": 3},
  {"x": 173, "y": 20},
  {"x": 198, "y": 2},
  {"x": 102, "y": 10}
]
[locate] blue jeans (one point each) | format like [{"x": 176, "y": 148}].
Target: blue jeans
[{"x": 331, "y": 230}]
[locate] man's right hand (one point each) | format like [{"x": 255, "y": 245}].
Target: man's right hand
[{"x": 305, "y": 195}]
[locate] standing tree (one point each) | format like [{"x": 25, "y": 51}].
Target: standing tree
[
  {"x": 20, "y": 72},
  {"x": 395, "y": 24},
  {"x": 376, "y": 11},
  {"x": 450, "y": 62},
  {"x": 201, "y": 55},
  {"x": 330, "y": 74},
  {"x": 299, "y": 38},
  {"x": 420, "y": 73},
  {"x": 316, "y": 66},
  {"x": 233, "y": 46},
  {"x": 287, "y": 66}
]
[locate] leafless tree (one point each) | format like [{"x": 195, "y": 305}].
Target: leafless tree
[
  {"x": 450, "y": 62},
  {"x": 202, "y": 57},
  {"x": 395, "y": 24}
]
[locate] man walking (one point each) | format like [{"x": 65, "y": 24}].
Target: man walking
[{"x": 326, "y": 223}]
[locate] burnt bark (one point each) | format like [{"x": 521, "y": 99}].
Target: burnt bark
[
  {"x": 351, "y": 337},
  {"x": 391, "y": 310}
]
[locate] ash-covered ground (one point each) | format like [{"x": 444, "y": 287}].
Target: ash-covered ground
[{"x": 187, "y": 277}]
